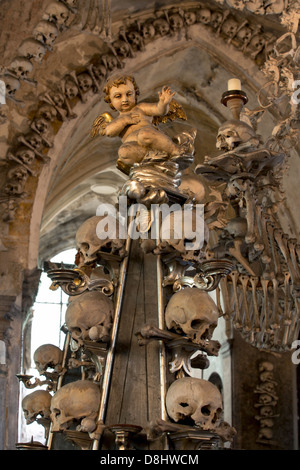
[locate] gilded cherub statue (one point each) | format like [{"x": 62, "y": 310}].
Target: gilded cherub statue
[{"x": 136, "y": 125}]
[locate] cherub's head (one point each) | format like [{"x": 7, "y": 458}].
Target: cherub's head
[{"x": 116, "y": 81}]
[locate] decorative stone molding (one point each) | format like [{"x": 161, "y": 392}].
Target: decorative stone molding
[{"x": 28, "y": 152}]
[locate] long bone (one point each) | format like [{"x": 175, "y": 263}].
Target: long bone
[
  {"x": 282, "y": 240},
  {"x": 275, "y": 254},
  {"x": 292, "y": 243},
  {"x": 266, "y": 255},
  {"x": 259, "y": 245},
  {"x": 42, "y": 135},
  {"x": 254, "y": 282},
  {"x": 250, "y": 211},
  {"x": 244, "y": 281},
  {"x": 235, "y": 276},
  {"x": 235, "y": 251},
  {"x": 226, "y": 297},
  {"x": 294, "y": 330},
  {"x": 274, "y": 321},
  {"x": 265, "y": 318},
  {"x": 287, "y": 312}
]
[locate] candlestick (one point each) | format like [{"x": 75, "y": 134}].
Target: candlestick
[
  {"x": 234, "y": 84},
  {"x": 234, "y": 98}
]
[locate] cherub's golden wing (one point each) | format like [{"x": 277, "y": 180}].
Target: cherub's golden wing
[
  {"x": 100, "y": 124},
  {"x": 175, "y": 112}
]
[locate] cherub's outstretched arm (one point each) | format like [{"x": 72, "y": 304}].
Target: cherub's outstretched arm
[{"x": 162, "y": 106}]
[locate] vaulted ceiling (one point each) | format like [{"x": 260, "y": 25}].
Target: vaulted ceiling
[{"x": 56, "y": 56}]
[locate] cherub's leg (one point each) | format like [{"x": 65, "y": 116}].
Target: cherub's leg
[
  {"x": 130, "y": 153},
  {"x": 157, "y": 140}
]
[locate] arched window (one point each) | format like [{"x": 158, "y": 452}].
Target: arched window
[{"x": 47, "y": 319}]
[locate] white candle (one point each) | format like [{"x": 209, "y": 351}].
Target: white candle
[{"x": 234, "y": 84}]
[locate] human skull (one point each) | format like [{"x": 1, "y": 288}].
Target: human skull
[
  {"x": 237, "y": 4},
  {"x": 18, "y": 173},
  {"x": 190, "y": 17},
  {"x": 99, "y": 71},
  {"x": 135, "y": 39},
  {"x": 244, "y": 34},
  {"x": 11, "y": 84},
  {"x": 229, "y": 27},
  {"x": 148, "y": 31},
  {"x": 21, "y": 67},
  {"x": 17, "y": 177},
  {"x": 233, "y": 133},
  {"x": 48, "y": 356},
  {"x": 266, "y": 411},
  {"x": 35, "y": 404},
  {"x": 85, "y": 82},
  {"x": 73, "y": 402},
  {"x": 32, "y": 49},
  {"x": 58, "y": 99},
  {"x": 161, "y": 26},
  {"x": 197, "y": 399},
  {"x": 41, "y": 124},
  {"x": 194, "y": 185},
  {"x": 256, "y": 45},
  {"x": 122, "y": 48},
  {"x": 266, "y": 376},
  {"x": 89, "y": 317},
  {"x": 176, "y": 22},
  {"x": 46, "y": 33},
  {"x": 275, "y": 7},
  {"x": 92, "y": 238},
  {"x": 237, "y": 227},
  {"x": 47, "y": 112},
  {"x": 265, "y": 365},
  {"x": 265, "y": 399},
  {"x": 26, "y": 155},
  {"x": 110, "y": 61},
  {"x": 193, "y": 312},
  {"x": 71, "y": 89},
  {"x": 34, "y": 140},
  {"x": 216, "y": 19},
  {"x": 184, "y": 230},
  {"x": 204, "y": 16},
  {"x": 57, "y": 13}
]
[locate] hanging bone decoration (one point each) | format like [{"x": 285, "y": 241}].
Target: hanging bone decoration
[{"x": 261, "y": 295}]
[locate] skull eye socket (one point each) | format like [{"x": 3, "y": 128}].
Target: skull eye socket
[
  {"x": 85, "y": 246},
  {"x": 205, "y": 410},
  {"x": 195, "y": 324},
  {"x": 76, "y": 332}
]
